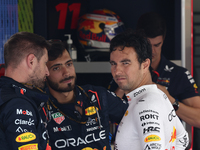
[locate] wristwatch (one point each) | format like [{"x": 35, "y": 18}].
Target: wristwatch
[{"x": 176, "y": 105}]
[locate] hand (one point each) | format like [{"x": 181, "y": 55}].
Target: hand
[{"x": 163, "y": 88}]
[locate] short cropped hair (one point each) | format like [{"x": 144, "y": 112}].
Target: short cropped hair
[
  {"x": 56, "y": 49},
  {"x": 136, "y": 40},
  {"x": 153, "y": 24},
  {"x": 21, "y": 44}
]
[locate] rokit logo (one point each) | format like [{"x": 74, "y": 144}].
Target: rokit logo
[
  {"x": 65, "y": 128},
  {"x": 149, "y": 116},
  {"x": 24, "y": 112}
]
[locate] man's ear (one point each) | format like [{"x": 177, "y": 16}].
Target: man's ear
[
  {"x": 31, "y": 60},
  {"x": 146, "y": 64}
]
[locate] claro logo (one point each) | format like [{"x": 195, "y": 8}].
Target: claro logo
[
  {"x": 139, "y": 92},
  {"x": 25, "y": 137}
]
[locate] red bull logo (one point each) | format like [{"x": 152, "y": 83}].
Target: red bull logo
[
  {"x": 92, "y": 36},
  {"x": 162, "y": 80},
  {"x": 173, "y": 137},
  {"x": 87, "y": 25}
]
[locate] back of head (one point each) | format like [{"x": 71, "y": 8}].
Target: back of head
[
  {"x": 56, "y": 49},
  {"x": 153, "y": 24},
  {"x": 136, "y": 40},
  {"x": 22, "y": 44}
]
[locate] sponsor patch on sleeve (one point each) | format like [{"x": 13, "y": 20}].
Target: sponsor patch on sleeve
[
  {"x": 25, "y": 137},
  {"x": 151, "y": 138},
  {"x": 29, "y": 147}
]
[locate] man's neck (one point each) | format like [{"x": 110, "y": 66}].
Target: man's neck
[
  {"x": 155, "y": 65},
  {"x": 145, "y": 81},
  {"x": 63, "y": 97}
]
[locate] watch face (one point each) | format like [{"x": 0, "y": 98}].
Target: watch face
[{"x": 175, "y": 107}]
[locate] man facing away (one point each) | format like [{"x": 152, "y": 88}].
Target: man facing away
[
  {"x": 150, "y": 121},
  {"x": 80, "y": 115},
  {"x": 25, "y": 56}
]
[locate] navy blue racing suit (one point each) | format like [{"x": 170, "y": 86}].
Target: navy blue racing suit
[
  {"x": 20, "y": 123},
  {"x": 89, "y": 131}
]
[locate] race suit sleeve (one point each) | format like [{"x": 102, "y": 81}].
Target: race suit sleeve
[
  {"x": 182, "y": 139},
  {"x": 117, "y": 107},
  {"x": 149, "y": 126},
  {"x": 20, "y": 122},
  {"x": 186, "y": 85},
  {"x": 159, "y": 128}
]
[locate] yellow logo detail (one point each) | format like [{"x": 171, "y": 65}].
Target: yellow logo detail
[
  {"x": 151, "y": 138},
  {"x": 25, "y": 137},
  {"x": 173, "y": 137},
  {"x": 90, "y": 111},
  {"x": 126, "y": 113},
  {"x": 195, "y": 86},
  {"x": 29, "y": 147},
  {"x": 89, "y": 148}
]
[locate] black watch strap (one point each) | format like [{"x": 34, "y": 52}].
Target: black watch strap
[{"x": 176, "y": 105}]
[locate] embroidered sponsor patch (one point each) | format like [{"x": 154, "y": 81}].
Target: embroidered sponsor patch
[
  {"x": 58, "y": 117},
  {"x": 90, "y": 111},
  {"x": 25, "y": 137},
  {"x": 151, "y": 138},
  {"x": 29, "y": 147}
]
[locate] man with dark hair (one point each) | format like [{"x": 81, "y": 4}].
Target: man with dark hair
[
  {"x": 80, "y": 115},
  {"x": 146, "y": 123},
  {"x": 21, "y": 93},
  {"x": 180, "y": 85}
]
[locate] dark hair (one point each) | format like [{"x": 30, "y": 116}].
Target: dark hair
[
  {"x": 56, "y": 49},
  {"x": 19, "y": 45},
  {"x": 136, "y": 40},
  {"x": 153, "y": 24}
]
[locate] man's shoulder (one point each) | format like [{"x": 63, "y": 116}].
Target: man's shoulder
[
  {"x": 18, "y": 103},
  {"x": 89, "y": 87},
  {"x": 168, "y": 66}
]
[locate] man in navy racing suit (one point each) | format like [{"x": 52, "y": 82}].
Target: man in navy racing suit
[
  {"x": 21, "y": 128},
  {"x": 80, "y": 115}
]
